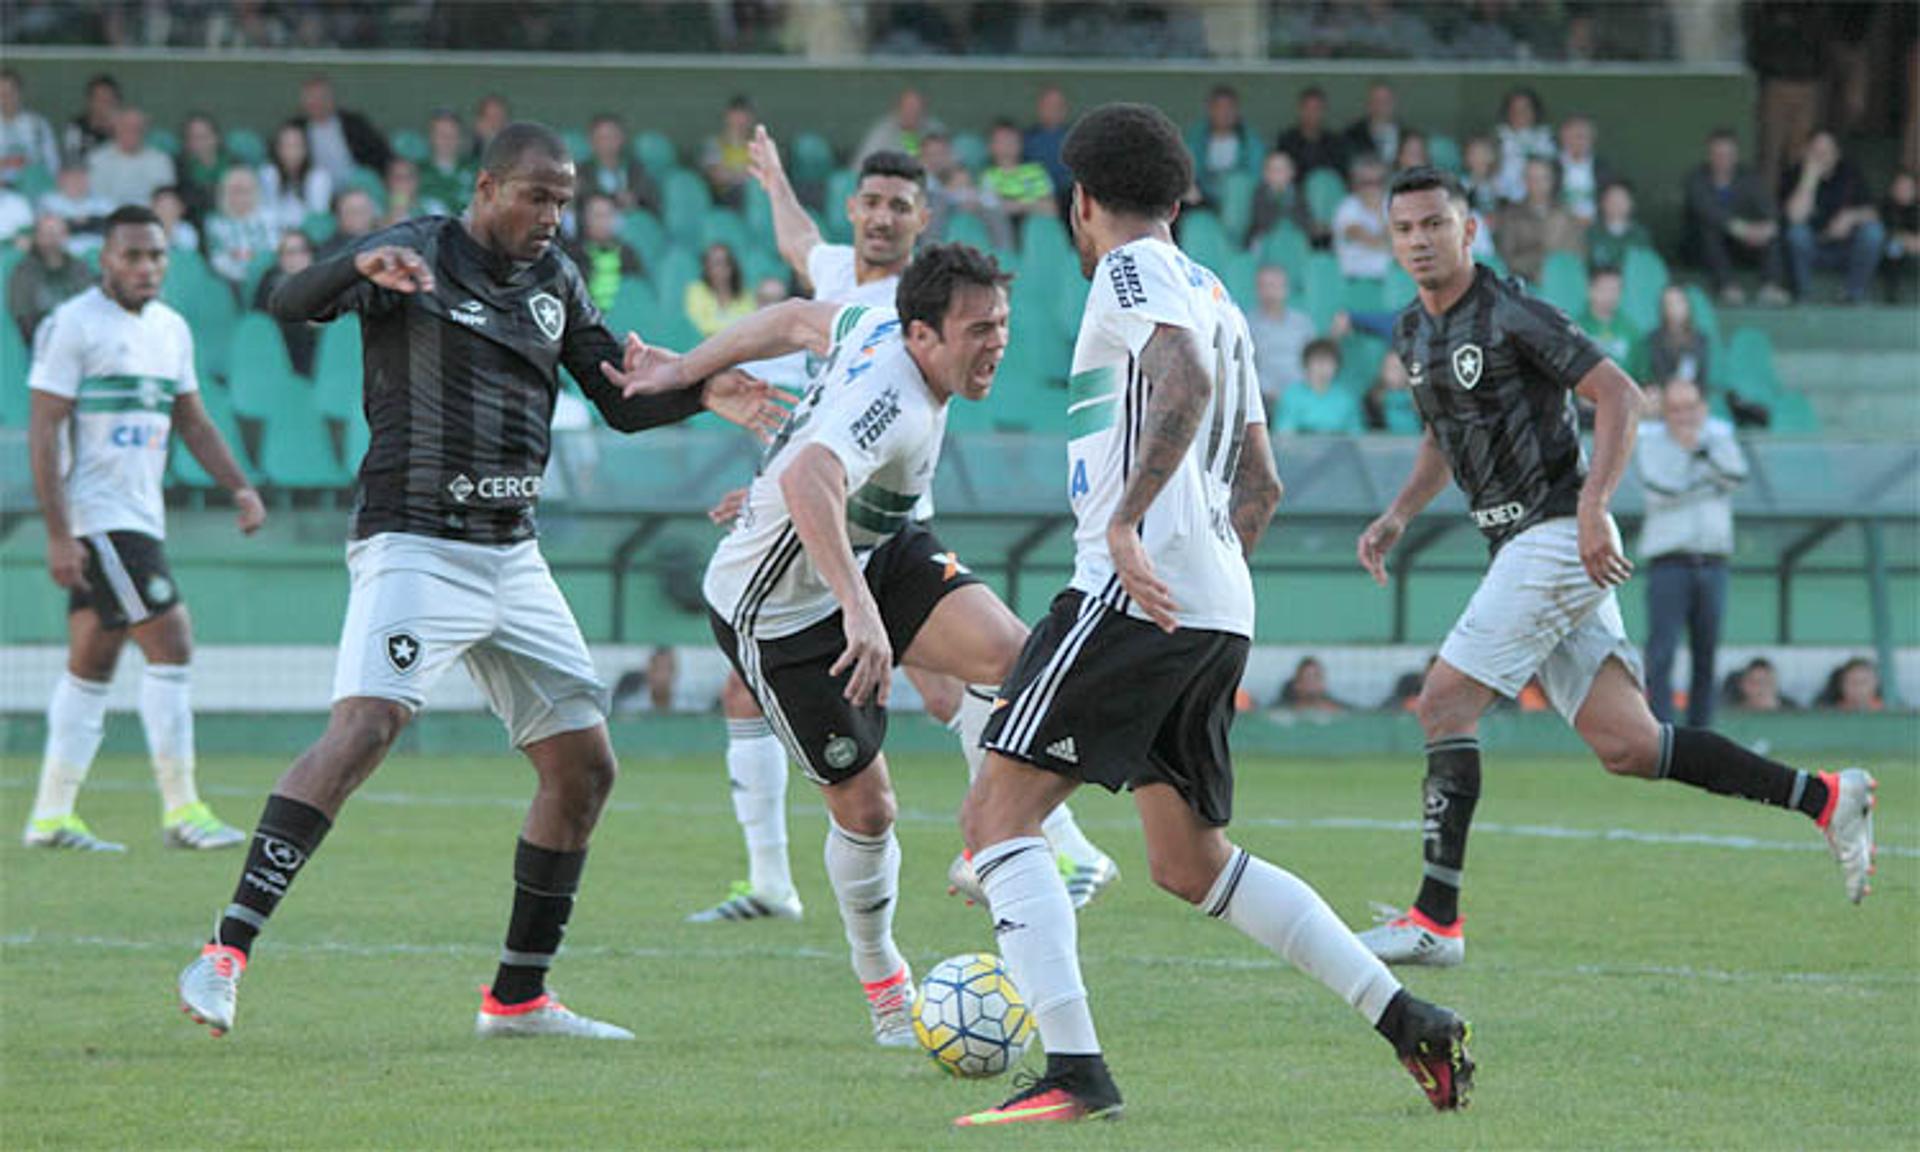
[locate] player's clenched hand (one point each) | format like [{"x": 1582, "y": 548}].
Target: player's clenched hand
[
  {"x": 394, "y": 267},
  {"x": 763, "y": 158},
  {"x": 67, "y": 563},
  {"x": 1131, "y": 564},
  {"x": 869, "y": 654},
  {"x": 1601, "y": 552},
  {"x": 249, "y": 512},
  {"x": 750, "y": 402},
  {"x": 729, "y": 506},
  {"x": 1374, "y": 544}
]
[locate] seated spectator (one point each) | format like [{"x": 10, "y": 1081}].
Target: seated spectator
[
  {"x": 1582, "y": 176},
  {"x": 1043, "y": 138},
  {"x": 1309, "y": 141},
  {"x": 899, "y": 130},
  {"x": 1279, "y": 199},
  {"x": 612, "y": 171},
  {"x": 72, "y": 200},
  {"x": 446, "y": 179},
  {"x": 294, "y": 254},
  {"x": 240, "y": 230},
  {"x": 127, "y": 169},
  {"x": 171, "y": 207},
  {"x": 1730, "y": 219},
  {"x": 719, "y": 297},
  {"x": 339, "y": 140},
  {"x": 1522, "y": 135},
  {"x": 292, "y": 186},
  {"x": 26, "y": 139},
  {"x": 94, "y": 126},
  {"x": 724, "y": 159},
  {"x": 1616, "y": 230},
  {"x": 1388, "y": 405},
  {"x": 1413, "y": 151},
  {"x": 1221, "y": 143},
  {"x": 1481, "y": 180},
  {"x": 1526, "y": 230},
  {"x": 1360, "y": 239},
  {"x": 1616, "y": 335},
  {"x": 354, "y": 214},
  {"x": 1378, "y": 133},
  {"x": 490, "y": 115},
  {"x": 45, "y": 277},
  {"x": 651, "y": 689},
  {"x": 1280, "y": 336},
  {"x": 1852, "y": 687},
  {"x": 203, "y": 160},
  {"x": 16, "y": 218},
  {"x": 402, "y": 184},
  {"x": 1830, "y": 219},
  {"x": 603, "y": 257},
  {"x": 1900, "y": 215},
  {"x": 1010, "y": 186},
  {"x": 1756, "y": 688},
  {"x": 1313, "y": 406},
  {"x": 1306, "y": 689},
  {"x": 951, "y": 191},
  {"x": 1405, "y": 696},
  {"x": 1677, "y": 350}
]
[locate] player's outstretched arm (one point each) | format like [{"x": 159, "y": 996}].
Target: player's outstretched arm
[
  {"x": 814, "y": 486},
  {"x": 47, "y": 417},
  {"x": 1171, "y": 359},
  {"x": 790, "y": 326},
  {"x": 1617, "y": 404},
  {"x": 202, "y": 437},
  {"x": 794, "y": 232},
  {"x": 321, "y": 291},
  {"x": 1256, "y": 489},
  {"x": 1430, "y": 474}
]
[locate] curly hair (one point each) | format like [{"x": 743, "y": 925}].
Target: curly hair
[{"x": 1130, "y": 158}]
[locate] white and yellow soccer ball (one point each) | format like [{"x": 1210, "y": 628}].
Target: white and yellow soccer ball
[{"x": 970, "y": 1018}]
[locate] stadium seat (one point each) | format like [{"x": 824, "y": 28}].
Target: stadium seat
[
  {"x": 246, "y": 146},
  {"x": 1361, "y": 295},
  {"x": 1444, "y": 151},
  {"x": 1643, "y": 277},
  {"x": 1236, "y": 203},
  {"x": 1749, "y": 366},
  {"x": 319, "y": 226},
  {"x": 966, "y": 228},
  {"x": 14, "y": 400},
  {"x": 1360, "y": 357},
  {"x": 761, "y": 262},
  {"x": 1706, "y": 317},
  {"x": 1287, "y": 247},
  {"x": 411, "y": 145},
  {"x": 163, "y": 140},
  {"x": 678, "y": 267},
  {"x": 636, "y": 308},
  {"x": 576, "y": 142},
  {"x": 757, "y": 210},
  {"x": 686, "y": 202},
  {"x": 1793, "y": 415},
  {"x": 656, "y": 154},
  {"x": 257, "y": 269},
  {"x": 1398, "y": 289},
  {"x": 833, "y": 212},
  {"x": 1325, "y": 189},
  {"x": 207, "y": 304},
  {"x": 338, "y": 370},
  {"x": 184, "y": 469},
  {"x": 970, "y": 149},
  {"x": 1322, "y": 289},
  {"x": 1563, "y": 282},
  {"x": 1241, "y": 276},
  {"x": 643, "y": 230},
  {"x": 259, "y": 378},
  {"x": 33, "y": 182},
  {"x": 724, "y": 226},
  {"x": 367, "y": 180},
  {"x": 809, "y": 159},
  {"x": 1044, "y": 239},
  {"x": 1203, "y": 238},
  {"x": 296, "y": 451}
]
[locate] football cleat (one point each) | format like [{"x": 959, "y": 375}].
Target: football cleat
[
  {"x": 964, "y": 883},
  {"x": 1064, "y": 1098},
  {"x": 1087, "y": 880},
  {"x": 195, "y": 826},
  {"x": 1434, "y": 1049},
  {"x": 743, "y": 903},
  {"x": 210, "y": 986},
  {"x": 1410, "y": 937},
  {"x": 68, "y": 832},
  {"x": 541, "y": 1016},
  {"x": 890, "y": 1003},
  {"x": 1847, "y": 824}
]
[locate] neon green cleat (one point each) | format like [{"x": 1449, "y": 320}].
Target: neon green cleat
[
  {"x": 68, "y": 832},
  {"x": 195, "y": 826}
]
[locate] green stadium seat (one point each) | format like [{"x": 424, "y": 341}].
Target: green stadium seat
[
  {"x": 1793, "y": 415},
  {"x": 970, "y": 149},
  {"x": 833, "y": 222},
  {"x": 260, "y": 378},
  {"x": 1398, "y": 289},
  {"x": 338, "y": 370},
  {"x": 246, "y": 146},
  {"x": 207, "y": 304},
  {"x": 724, "y": 226},
  {"x": 257, "y": 270},
  {"x": 164, "y": 140},
  {"x": 809, "y": 159},
  {"x": 33, "y": 182},
  {"x": 1643, "y": 277},
  {"x": 636, "y": 308},
  {"x": 1706, "y": 317},
  {"x": 1563, "y": 282},
  {"x": 184, "y": 469},
  {"x": 757, "y": 210},
  {"x": 1236, "y": 203},
  {"x": 412, "y": 145},
  {"x": 643, "y": 230},
  {"x": 1204, "y": 238},
  {"x": 761, "y": 262},
  {"x": 1444, "y": 151},
  {"x": 1069, "y": 306},
  {"x": 1322, "y": 289},
  {"x": 1361, "y": 295},
  {"x": 1043, "y": 239},
  {"x": 1325, "y": 189},
  {"x": 678, "y": 267},
  {"x": 656, "y": 154},
  {"x": 319, "y": 226},
  {"x": 1241, "y": 276},
  {"x": 686, "y": 202},
  {"x": 966, "y": 228},
  {"x": 14, "y": 362},
  {"x": 296, "y": 450},
  {"x": 576, "y": 142},
  {"x": 1749, "y": 366},
  {"x": 1287, "y": 247},
  {"x": 1360, "y": 357}
]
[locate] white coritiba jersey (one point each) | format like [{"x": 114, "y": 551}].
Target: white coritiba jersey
[
  {"x": 122, "y": 371},
  {"x": 1188, "y": 530},
  {"x": 871, "y": 407},
  {"x": 830, "y": 267}
]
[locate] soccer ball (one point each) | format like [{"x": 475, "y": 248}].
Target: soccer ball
[{"x": 970, "y": 1018}]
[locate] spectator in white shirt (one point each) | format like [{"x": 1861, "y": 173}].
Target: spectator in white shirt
[
  {"x": 241, "y": 230},
  {"x": 127, "y": 169},
  {"x": 1360, "y": 238},
  {"x": 25, "y": 136},
  {"x": 73, "y": 200}
]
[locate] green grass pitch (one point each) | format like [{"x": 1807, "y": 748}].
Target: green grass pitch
[{"x": 1648, "y": 967}]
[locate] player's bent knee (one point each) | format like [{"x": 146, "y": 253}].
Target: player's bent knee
[
  {"x": 1180, "y": 878},
  {"x": 364, "y": 728}
]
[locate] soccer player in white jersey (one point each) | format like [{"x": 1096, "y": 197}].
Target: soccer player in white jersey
[
  {"x": 826, "y": 580},
  {"x": 888, "y": 212},
  {"x": 112, "y": 381},
  {"x": 1129, "y": 681}
]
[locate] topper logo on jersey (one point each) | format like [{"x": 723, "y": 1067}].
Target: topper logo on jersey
[
  {"x": 473, "y": 314},
  {"x": 547, "y": 313},
  {"x": 1467, "y": 361}
]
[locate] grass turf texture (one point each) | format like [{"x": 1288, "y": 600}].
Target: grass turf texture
[{"x": 1624, "y": 993}]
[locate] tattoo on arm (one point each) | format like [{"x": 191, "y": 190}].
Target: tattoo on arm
[
  {"x": 1178, "y": 390},
  {"x": 1256, "y": 489}
]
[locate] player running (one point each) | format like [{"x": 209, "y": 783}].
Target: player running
[
  {"x": 826, "y": 581},
  {"x": 888, "y": 212},
  {"x": 1494, "y": 371},
  {"x": 112, "y": 379},
  {"x": 467, "y": 324},
  {"x": 1129, "y": 681}
]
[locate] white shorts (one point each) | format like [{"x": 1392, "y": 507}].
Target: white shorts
[
  {"x": 1537, "y": 612},
  {"x": 418, "y": 603}
]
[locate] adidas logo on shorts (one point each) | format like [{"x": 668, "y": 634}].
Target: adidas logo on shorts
[{"x": 1064, "y": 749}]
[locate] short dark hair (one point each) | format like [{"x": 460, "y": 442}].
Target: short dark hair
[
  {"x": 1130, "y": 158},
  {"x": 102, "y": 80},
  {"x": 1723, "y": 133},
  {"x": 1599, "y": 271},
  {"x": 896, "y": 164},
  {"x": 509, "y": 147},
  {"x": 1220, "y": 90},
  {"x": 1311, "y": 92},
  {"x": 1427, "y": 178},
  {"x": 130, "y": 214},
  {"x": 1321, "y": 346},
  {"x": 600, "y": 118},
  {"x": 927, "y": 286}
]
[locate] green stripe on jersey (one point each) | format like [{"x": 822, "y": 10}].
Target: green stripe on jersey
[
  {"x": 874, "y": 520},
  {"x": 884, "y": 499},
  {"x": 849, "y": 317},
  {"x": 1093, "y": 401},
  {"x": 126, "y": 394}
]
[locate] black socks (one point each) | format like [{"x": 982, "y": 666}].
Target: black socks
[
  {"x": 544, "y": 883},
  {"x": 288, "y": 833},
  {"x": 1711, "y": 761},
  {"x": 1451, "y": 791}
]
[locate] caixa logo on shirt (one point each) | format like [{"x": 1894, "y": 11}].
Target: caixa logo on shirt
[
  {"x": 138, "y": 436},
  {"x": 494, "y": 489}
]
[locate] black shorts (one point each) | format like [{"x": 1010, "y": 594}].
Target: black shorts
[
  {"x": 127, "y": 579},
  {"x": 832, "y": 738},
  {"x": 1114, "y": 701}
]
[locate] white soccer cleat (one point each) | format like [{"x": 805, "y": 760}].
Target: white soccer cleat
[
  {"x": 69, "y": 832},
  {"x": 890, "y": 1004},
  {"x": 743, "y": 903},
  {"x": 963, "y": 882},
  {"x": 544, "y": 1016},
  {"x": 210, "y": 986},
  {"x": 194, "y": 826},
  {"x": 1410, "y": 937},
  {"x": 1848, "y": 826},
  {"x": 1087, "y": 880}
]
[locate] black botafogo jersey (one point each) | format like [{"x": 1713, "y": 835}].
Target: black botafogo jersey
[
  {"x": 1493, "y": 379},
  {"x": 461, "y": 380}
]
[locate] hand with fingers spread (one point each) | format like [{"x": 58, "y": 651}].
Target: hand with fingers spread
[
  {"x": 729, "y": 507},
  {"x": 1374, "y": 544},
  {"x": 645, "y": 369},
  {"x": 395, "y": 268},
  {"x": 1135, "y": 569},
  {"x": 1601, "y": 552},
  {"x": 750, "y": 402},
  {"x": 869, "y": 654},
  {"x": 67, "y": 563}
]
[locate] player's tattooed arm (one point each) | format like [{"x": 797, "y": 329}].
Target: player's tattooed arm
[
  {"x": 1256, "y": 489},
  {"x": 1179, "y": 385}
]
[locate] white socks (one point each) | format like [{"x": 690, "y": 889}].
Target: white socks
[
  {"x": 757, "y": 771},
  {"x": 76, "y": 720},
  {"x": 166, "y": 713},
  {"x": 1064, "y": 834},
  {"x": 1039, "y": 940},
  {"x": 865, "y": 872},
  {"x": 976, "y": 704},
  {"x": 1281, "y": 911}
]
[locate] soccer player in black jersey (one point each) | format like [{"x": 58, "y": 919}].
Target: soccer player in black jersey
[
  {"x": 466, "y": 325},
  {"x": 1493, "y": 372}
]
